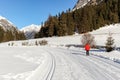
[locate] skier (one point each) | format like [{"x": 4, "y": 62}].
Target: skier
[{"x": 87, "y": 48}]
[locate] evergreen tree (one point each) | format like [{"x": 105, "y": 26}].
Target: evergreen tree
[
  {"x": 109, "y": 43},
  {"x": 119, "y": 9},
  {"x": 70, "y": 24},
  {"x": 1, "y": 34},
  {"x": 62, "y": 25},
  {"x": 50, "y": 26}
]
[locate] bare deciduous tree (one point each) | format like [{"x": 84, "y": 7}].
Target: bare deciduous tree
[{"x": 88, "y": 38}]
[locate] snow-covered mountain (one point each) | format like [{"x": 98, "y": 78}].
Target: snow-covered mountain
[
  {"x": 30, "y": 31},
  {"x": 82, "y": 3},
  {"x": 8, "y": 31},
  {"x": 7, "y": 25}
]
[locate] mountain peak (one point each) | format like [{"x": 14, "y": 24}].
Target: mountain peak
[
  {"x": 31, "y": 30},
  {"x": 9, "y": 31},
  {"x": 6, "y": 24},
  {"x": 2, "y": 17}
]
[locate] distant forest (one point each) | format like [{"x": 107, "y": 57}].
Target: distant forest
[
  {"x": 10, "y": 36},
  {"x": 81, "y": 20}
]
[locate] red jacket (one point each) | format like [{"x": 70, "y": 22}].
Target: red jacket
[{"x": 87, "y": 47}]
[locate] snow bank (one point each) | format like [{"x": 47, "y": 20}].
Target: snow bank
[
  {"x": 18, "y": 63},
  {"x": 12, "y": 76},
  {"x": 102, "y": 34}
]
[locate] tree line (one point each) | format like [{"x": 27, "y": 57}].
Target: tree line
[
  {"x": 10, "y": 36},
  {"x": 81, "y": 20}
]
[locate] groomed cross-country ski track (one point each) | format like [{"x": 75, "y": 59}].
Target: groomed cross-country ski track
[{"x": 66, "y": 64}]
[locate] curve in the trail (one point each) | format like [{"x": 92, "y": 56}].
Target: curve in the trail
[
  {"x": 66, "y": 64},
  {"x": 81, "y": 67}
]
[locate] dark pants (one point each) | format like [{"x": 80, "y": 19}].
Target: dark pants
[{"x": 87, "y": 52}]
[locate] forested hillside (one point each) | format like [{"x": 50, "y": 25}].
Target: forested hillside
[
  {"x": 9, "y": 35},
  {"x": 81, "y": 20}
]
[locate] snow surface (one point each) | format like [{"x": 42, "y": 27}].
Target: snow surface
[{"x": 55, "y": 61}]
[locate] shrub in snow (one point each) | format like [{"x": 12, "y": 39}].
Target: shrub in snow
[
  {"x": 25, "y": 44},
  {"x": 88, "y": 38},
  {"x": 36, "y": 43},
  {"x": 8, "y": 44},
  {"x": 11, "y": 44},
  {"x": 43, "y": 42},
  {"x": 109, "y": 44}
]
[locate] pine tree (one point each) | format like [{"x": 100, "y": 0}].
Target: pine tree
[
  {"x": 119, "y": 9},
  {"x": 50, "y": 26},
  {"x": 62, "y": 30},
  {"x": 70, "y": 24},
  {"x": 109, "y": 43},
  {"x": 1, "y": 34}
]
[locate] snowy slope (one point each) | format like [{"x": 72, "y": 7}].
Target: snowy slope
[
  {"x": 57, "y": 62},
  {"x": 30, "y": 31},
  {"x": 102, "y": 34}
]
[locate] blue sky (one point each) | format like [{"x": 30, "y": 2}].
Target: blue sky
[{"x": 26, "y": 12}]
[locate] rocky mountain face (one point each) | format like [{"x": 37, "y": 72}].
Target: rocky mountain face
[
  {"x": 8, "y": 31},
  {"x": 82, "y": 3},
  {"x": 30, "y": 31}
]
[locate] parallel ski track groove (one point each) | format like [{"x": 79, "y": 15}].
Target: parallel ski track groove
[{"x": 52, "y": 69}]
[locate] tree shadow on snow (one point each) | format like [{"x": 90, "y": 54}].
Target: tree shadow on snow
[{"x": 99, "y": 50}]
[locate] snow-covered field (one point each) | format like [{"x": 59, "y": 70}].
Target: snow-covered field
[{"x": 57, "y": 62}]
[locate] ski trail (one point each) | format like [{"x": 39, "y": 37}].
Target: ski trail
[
  {"x": 88, "y": 66},
  {"x": 52, "y": 69},
  {"x": 67, "y": 68},
  {"x": 65, "y": 64},
  {"x": 45, "y": 70}
]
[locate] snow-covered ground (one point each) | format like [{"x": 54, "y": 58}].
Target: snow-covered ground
[{"x": 57, "y": 62}]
